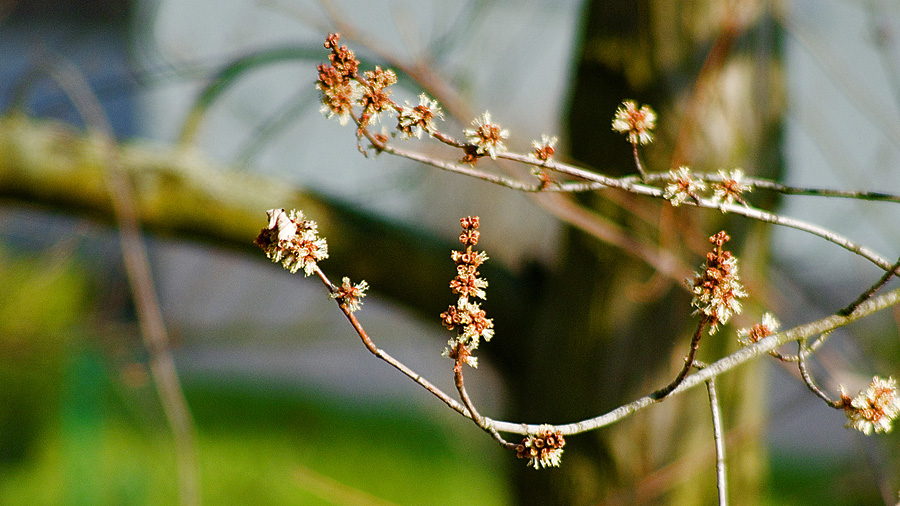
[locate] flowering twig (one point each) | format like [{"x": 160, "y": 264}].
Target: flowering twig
[
  {"x": 716, "y": 368},
  {"x": 293, "y": 241},
  {"x": 343, "y": 88}
]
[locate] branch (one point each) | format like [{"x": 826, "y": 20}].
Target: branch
[
  {"x": 715, "y": 369},
  {"x": 719, "y": 436}
]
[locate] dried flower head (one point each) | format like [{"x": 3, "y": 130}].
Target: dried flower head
[
  {"x": 544, "y": 148},
  {"x": 351, "y": 295},
  {"x": 874, "y": 408},
  {"x": 729, "y": 190},
  {"x": 716, "y": 288},
  {"x": 768, "y": 327},
  {"x": 413, "y": 121},
  {"x": 293, "y": 241},
  {"x": 543, "y": 449},
  {"x": 487, "y": 137},
  {"x": 636, "y": 123},
  {"x": 682, "y": 186}
]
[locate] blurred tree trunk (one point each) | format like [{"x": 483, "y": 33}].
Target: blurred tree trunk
[
  {"x": 598, "y": 331},
  {"x": 606, "y": 329}
]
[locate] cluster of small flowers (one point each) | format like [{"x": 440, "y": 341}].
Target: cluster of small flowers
[
  {"x": 487, "y": 136},
  {"x": 343, "y": 88},
  {"x": 350, "y": 295},
  {"x": 730, "y": 189},
  {"x": 414, "y": 121},
  {"x": 874, "y": 408},
  {"x": 768, "y": 327},
  {"x": 716, "y": 289},
  {"x": 682, "y": 186},
  {"x": 293, "y": 241},
  {"x": 636, "y": 123},
  {"x": 337, "y": 81},
  {"x": 466, "y": 317},
  {"x": 543, "y": 449}
]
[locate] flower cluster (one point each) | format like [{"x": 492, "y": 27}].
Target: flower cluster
[
  {"x": 350, "y": 295},
  {"x": 487, "y": 137},
  {"x": 413, "y": 121},
  {"x": 466, "y": 317},
  {"x": 682, "y": 186},
  {"x": 544, "y": 148},
  {"x": 638, "y": 124},
  {"x": 543, "y": 449},
  {"x": 293, "y": 241},
  {"x": 874, "y": 408},
  {"x": 729, "y": 189},
  {"x": 716, "y": 289},
  {"x": 337, "y": 81},
  {"x": 769, "y": 326},
  {"x": 375, "y": 98}
]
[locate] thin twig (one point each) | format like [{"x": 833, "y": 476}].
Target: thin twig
[
  {"x": 871, "y": 291},
  {"x": 725, "y": 364},
  {"x": 718, "y": 435},
  {"x": 807, "y": 377},
  {"x": 137, "y": 270},
  {"x": 768, "y": 184},
  {"x": 637, "y": 161},
  {"x": 688, "y": 363},
  {"x": 378, "y": 352},
  {"x": 629, "y": 184},
  {"x": 476, "y": 417}
]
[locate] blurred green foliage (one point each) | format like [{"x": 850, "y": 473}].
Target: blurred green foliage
[{"x": 43, "y": 304}]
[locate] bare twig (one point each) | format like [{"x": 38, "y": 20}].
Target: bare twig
[
  {"x": 378, "y": 352},
  {"x": 807, "y": 378},
  {"x": 718, "y": 435},
  {"x": 137, "y": 269},
  {"x": 688, "y": 363},
  {"x": 768, "y": 184},
  {"x": 630, "y": 184},
  {"x": 871, "y": 291},
  {"x": 476, "y": 417}
]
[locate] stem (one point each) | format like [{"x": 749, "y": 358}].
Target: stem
[
  {"x": 807, "y": 378},
  {"x": 637, "y": 161},
  {"x": 370, "y": 345},
  {"x": 476, "y": 417},
  {"x": 871, "y": 291},
  {"x": 718, "y": 435},
  {"x": 688, "y": 363}
]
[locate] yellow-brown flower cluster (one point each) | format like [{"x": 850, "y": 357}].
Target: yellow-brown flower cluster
[
  {"x": 874, "y": 408},
  {"x": 716, "y": 289},
  {"x": 466, "y": 317},
  {"x": 293, "y": 241},
  {"x": 636, "y": 123},
  {"x": 543, "y": 449}
]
